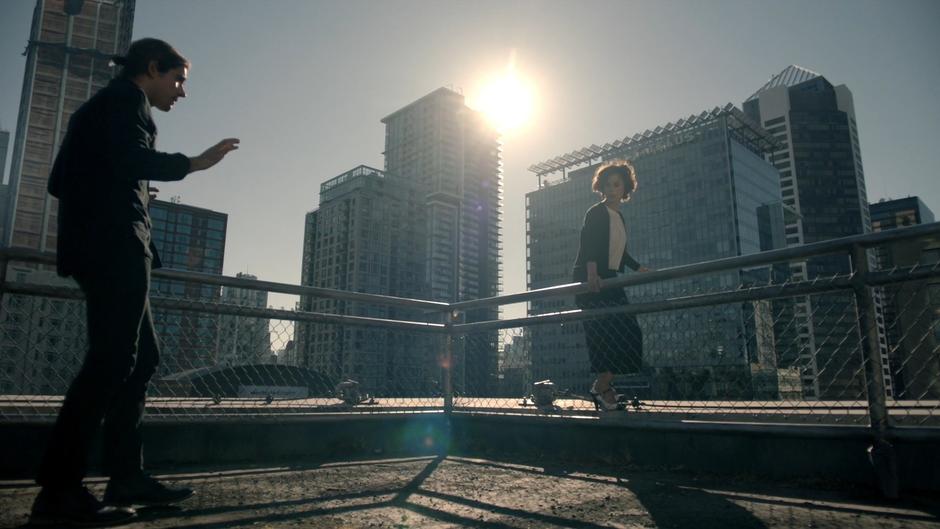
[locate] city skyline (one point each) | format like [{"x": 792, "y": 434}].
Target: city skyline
[
  {"x": 427, "y": 226},
  {"x": 309, "y": 103}
]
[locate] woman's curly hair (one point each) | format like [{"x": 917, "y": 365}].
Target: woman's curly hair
[{"x": 615, "y": 167}]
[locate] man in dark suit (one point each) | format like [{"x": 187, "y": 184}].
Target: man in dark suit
[{"x": 101, "y": 177}]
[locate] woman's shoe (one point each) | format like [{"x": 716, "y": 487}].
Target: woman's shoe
[{"x": 601, "y": 404}]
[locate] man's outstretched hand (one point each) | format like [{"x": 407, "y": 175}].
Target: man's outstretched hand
[{"x": 213, "y": 155}]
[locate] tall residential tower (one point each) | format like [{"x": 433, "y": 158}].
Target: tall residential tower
[
  {"x": 363, "y": 238},
  {"x": 67, "y": 60},
  {"x": 68, "y": 52},
  {"x": 451, "y": 155}
]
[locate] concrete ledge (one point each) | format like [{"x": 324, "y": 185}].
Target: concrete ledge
[{"x": 763, "y": 451}]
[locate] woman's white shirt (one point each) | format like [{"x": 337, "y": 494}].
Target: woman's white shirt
[{"x": 618, "y": 239}]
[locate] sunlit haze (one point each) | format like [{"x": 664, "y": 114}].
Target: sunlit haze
[{"x": 507, "y": 99}]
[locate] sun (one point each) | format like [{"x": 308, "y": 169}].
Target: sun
[{"x": 506, "y": 100}]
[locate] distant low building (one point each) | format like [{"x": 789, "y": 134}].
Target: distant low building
[
  {"x": 911, "y": 309},
  {"x": 515, "y": 366},
  {"x": 244, "y": 339},
  {"x": 191, "y": 239}
]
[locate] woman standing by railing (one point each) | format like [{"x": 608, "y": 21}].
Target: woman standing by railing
[{"x": 614, "y": 341}]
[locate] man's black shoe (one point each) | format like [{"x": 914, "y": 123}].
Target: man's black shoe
[
  {"x": 143, "y": 490},
  {"x": 75, "y": 506}
]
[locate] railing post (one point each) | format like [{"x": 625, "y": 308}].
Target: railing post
[
  {"x": 881, "y": 453},
  {"x": 447, "y": 362}
]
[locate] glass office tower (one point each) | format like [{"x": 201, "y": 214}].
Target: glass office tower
[
  {"x": 822, "y": 180},
  {"x": 704, "y": 193}
]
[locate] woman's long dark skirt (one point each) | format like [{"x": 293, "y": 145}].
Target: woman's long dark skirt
[{"x": 614, "y": 341}]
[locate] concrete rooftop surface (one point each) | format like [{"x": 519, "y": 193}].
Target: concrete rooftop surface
[{"x": 445, "y": 492}]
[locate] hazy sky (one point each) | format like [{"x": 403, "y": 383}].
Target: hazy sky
[{"x": 304, "y": 85}]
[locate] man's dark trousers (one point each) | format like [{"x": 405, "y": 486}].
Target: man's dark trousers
[{"x": 112, "y": 383}]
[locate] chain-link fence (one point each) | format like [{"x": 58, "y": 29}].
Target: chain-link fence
[
  {"x": 760, "y": 338},
  {"x": 223, "y": 351},
  {"x": 812, "y": 335}
]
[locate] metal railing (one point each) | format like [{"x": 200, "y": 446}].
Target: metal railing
[{"x": 804, "y": 335}]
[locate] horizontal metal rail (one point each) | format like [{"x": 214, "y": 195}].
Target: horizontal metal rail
[
  {"x": 210, "y": 307},
  {"x": 33, "y": 256},
  {"x": 784, "y": 290},
  {"x": 789, "y": 289},
  {"x": 833, "y": 246}
]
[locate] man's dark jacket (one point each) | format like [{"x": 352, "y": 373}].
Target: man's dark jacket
[{"x": 101, "y": 176}]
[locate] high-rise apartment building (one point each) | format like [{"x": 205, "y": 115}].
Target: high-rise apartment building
[
  {"x": 244, "y": 340},
  {"x": 192, "y": 239},
  {"x": 911, "y": 309},
  {"x": 822, "y": 179},
  {"x": 67, "y": 61},
  {"x": 67, "y": 56},
  {"x": 705, "y": 192},
  {"x": 363, "y": 238},
  {"x": 452, "y": 156}
]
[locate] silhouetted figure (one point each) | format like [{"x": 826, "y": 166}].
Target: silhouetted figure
[
  {"x": 614, "y": 342},
  {"x": 101, "y": 178}
]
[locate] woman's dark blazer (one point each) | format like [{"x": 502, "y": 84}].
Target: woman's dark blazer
[{"x": 595, "y": 246}]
